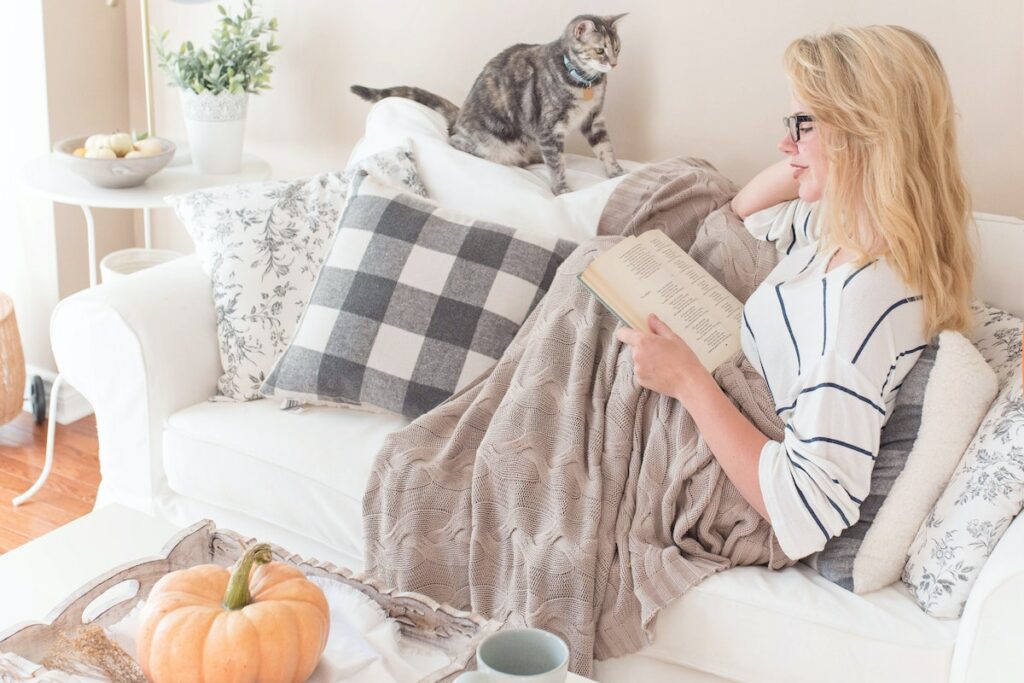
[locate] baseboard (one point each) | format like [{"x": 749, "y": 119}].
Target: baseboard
[{"x": 71, "y": 405}]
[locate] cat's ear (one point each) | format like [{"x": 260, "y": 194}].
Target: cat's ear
[
  {"x": 582, "y": 28},
  {"x": 614, "y": 19}
]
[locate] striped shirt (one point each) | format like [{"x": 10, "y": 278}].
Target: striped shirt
[{"x": 834, "y": 348}]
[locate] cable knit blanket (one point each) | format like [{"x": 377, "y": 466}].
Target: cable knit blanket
[{"x": 554, "y": 491}]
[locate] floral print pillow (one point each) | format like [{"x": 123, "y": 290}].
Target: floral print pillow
[
  {"x": 262, "y": 244},
  {"x": 986, "y": 491},
  {"x": 997, "y": 335}
]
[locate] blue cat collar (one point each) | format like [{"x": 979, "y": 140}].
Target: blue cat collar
[{"x": 576, "y": 75}]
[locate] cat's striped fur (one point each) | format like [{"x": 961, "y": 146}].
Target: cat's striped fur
[{"x": 527, "y": 99}]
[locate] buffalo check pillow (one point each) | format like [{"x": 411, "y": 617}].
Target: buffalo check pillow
[
  {"x": 262, "y": 245},
  {"x": 414, "y": 302}
]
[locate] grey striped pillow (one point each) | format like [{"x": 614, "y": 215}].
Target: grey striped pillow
[
  {"x": 835, "y": 562},
  {"x": 938, "y": 409}
]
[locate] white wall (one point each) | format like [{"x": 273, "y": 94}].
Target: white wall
[
  {"x": 64, "y": 72},
  {"x": 28, "y": 265},
  {"x": 699, "y": 78}
]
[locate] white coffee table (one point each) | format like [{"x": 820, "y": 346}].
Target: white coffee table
[{"x": 37, "y": 577}]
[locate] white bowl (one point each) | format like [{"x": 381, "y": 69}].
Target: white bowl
[{"x": 112, "y": 172}]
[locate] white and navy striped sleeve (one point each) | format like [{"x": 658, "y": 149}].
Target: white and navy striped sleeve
[
  {"x": 789, "y": 225},
  {"x": 814, "y": 480}
]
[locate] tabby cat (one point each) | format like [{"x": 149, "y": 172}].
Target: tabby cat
[{"x": 529, "y": 97}]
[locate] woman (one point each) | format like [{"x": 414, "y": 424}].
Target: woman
[
  {"x": 558, "y": 492},
  {"x": 870, "y": 210}
]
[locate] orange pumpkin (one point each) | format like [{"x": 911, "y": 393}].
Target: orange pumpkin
[{"x": 208, "y": 624}]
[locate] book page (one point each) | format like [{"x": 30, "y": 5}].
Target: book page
[{"x": 652, "y": 274}]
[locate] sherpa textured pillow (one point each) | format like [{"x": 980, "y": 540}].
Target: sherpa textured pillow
[
  {"x": 262, "y": 244},
  {"x": 937, "y": 411},
  {"x": 413, "y": 303}
]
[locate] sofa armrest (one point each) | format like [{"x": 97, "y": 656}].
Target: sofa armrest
[
  {"x": 989, "y": 643},
  {"x": 138, "y": 349}
]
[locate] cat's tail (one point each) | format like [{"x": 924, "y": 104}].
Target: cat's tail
[{"x": 435, "y": 102}]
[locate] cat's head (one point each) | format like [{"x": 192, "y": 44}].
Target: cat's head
[{"x": 593, "y": 42}]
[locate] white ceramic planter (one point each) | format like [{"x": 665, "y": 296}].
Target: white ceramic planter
[{"x": 216, "y": 130}]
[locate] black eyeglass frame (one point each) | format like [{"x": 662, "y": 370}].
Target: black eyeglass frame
[{"x": 792, "y": 124}]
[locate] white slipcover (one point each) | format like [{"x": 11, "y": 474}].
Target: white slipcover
[{"x": 143, "y": 351}]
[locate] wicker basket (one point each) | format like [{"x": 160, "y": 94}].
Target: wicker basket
[{"x": 12, "y": 363}]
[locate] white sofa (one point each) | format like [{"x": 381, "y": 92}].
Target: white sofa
[{"x": 143, "y": 351}]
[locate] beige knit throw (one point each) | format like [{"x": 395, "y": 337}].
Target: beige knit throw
[{"x": 554, "y": 491}]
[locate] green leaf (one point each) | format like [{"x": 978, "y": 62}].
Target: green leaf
[{"x": 235, "y": 59}]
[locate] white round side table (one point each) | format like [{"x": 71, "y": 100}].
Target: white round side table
[{"x": 47, "y": 177}]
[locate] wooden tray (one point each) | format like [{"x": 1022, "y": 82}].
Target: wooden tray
[{"x": 453, "y": 632}]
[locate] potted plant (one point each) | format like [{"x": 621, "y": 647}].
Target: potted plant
[{"x": 215, "y": 85}]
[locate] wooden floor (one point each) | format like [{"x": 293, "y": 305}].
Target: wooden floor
[{"x": 68, "y": 494}]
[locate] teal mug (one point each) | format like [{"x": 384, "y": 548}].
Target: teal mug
[{"x": 526, "y": 655}]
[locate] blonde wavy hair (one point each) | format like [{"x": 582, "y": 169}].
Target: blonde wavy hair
[{"x": 882, "y": 104}]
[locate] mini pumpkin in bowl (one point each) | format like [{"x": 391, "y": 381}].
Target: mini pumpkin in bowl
[
  {"x": 114, "y": 161},
  {"x": 208, "y": 624}
]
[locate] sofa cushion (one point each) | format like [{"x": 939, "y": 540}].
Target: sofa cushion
[
  {"x": 752, "y": 624},
  {"x": 413, "y": 303},
  {"x": 304, "y": 472},
  {"x": 509, "y": 195}
]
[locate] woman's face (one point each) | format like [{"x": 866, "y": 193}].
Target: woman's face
[{"x": 806, "y": 157}]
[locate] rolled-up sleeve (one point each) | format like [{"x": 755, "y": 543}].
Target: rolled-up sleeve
[
  {"x": 814, "y": 480},
  {"x": 789, "y": 225}
]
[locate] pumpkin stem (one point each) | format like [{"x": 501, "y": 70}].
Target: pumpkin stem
[{"x": 237, "y": 595}]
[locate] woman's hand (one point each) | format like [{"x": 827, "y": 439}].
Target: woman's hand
[{"x": 663, "y": 362}]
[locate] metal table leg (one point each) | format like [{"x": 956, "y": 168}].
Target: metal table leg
[
  {"x": 90, "y": 231},
  {"x": 50, "y": 429}
]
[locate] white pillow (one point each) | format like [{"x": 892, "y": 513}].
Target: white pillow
[
  {"x": 950, "y": 414},
  {"x": 262, "y": 244},
  {"x": 507, "y": 195}
]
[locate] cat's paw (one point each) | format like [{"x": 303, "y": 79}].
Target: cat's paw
[
  {"x": 561, "y": 188},
  {"x": 615, "y": 171}
]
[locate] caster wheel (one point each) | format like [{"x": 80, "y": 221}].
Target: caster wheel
[{"x": 38, "y": 390}]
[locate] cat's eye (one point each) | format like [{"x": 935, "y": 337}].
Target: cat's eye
[{"x": 599, "y": 50}]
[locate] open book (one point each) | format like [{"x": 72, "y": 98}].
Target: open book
[{"x": 652, "y": 274}]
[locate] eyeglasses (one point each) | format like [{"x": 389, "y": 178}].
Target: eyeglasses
[{"x": 793, "y": 123}]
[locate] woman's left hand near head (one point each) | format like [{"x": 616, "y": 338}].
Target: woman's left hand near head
[{"x": 663, "y": 362}]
